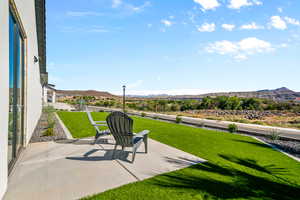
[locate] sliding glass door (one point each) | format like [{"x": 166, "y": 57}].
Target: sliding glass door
[{"x": 16, "y": 90}]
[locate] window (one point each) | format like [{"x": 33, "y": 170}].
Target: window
[{"x": 16, "y": 89}]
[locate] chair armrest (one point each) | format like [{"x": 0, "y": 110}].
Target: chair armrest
[
  {"x": 99, "y": 124},
  {"x": 104, "y": 122},
  {"x": 142, "y": 133}
]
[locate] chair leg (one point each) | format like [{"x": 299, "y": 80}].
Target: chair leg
[
  {"x": 96, "y": 137},
  {"x": 123, "y": 148},
  {"x": 133, "y": 154},
  {"x": 115, "y": 148},
  {"x": 145, "y": 139}
]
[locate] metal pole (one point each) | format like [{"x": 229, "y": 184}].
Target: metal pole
[{"x": 124, "y": 87}]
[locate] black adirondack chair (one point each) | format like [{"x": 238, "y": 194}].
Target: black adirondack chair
[{"x": 120, "y": 126}]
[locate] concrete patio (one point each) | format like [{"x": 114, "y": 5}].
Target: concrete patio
[{"x": 73, "y": 169}]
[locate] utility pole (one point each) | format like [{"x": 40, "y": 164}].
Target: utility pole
[{"x": 124, "y": 87}]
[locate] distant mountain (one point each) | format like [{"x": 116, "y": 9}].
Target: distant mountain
[
  {"x": 150, "y": 96},
  {"x": 85, "y": 93},
  {"x": 278, "y": 90},
  {"x": 279, "y": 94}
]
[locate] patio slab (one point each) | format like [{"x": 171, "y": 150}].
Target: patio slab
[{"x": 72, "y": 169}]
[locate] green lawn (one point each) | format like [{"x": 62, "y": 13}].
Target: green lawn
[
  {"x": 238, "y": 167},
  {"x": 78, "y": 123}
]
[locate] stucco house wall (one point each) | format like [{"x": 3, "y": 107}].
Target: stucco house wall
[{"x": 33, "y": 87}]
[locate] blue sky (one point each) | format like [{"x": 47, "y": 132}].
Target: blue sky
[{"x": 173, "y": 46}]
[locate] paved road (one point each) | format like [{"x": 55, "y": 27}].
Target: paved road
[{"x": 61, "y": 106}]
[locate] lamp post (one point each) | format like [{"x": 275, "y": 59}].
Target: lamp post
[{"x": 124, "y": 87}]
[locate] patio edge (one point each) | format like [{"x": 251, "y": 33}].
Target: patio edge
[{"x": 65, "y": 129}]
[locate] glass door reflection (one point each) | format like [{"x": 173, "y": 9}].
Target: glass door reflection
[{"x": 16, "y": 90}]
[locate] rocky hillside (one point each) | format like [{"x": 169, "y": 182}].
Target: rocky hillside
[
  {"x": 280, "y": 94},
  {"x": 85, "y": 93}
]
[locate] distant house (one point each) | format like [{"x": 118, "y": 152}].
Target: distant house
[
  {"x": 297, "y": 99},
  {"x": 22, "y": 76},
  {"x": 49, "y": 93}
]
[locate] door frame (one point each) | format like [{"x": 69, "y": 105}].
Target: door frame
[{"x": 15, "y": 14}]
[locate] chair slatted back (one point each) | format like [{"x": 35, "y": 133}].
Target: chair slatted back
[{"x": 121, "y": 126}]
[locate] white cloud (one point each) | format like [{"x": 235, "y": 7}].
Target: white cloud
[
  {"x": 116, "y": 3},
  {"x": 280, "y": 10},
  {"x": 208, "y": 4},
  {"x": 278, "y": 23},
  {"x": 134, "y": 84},
  {"x": 292, "y": 21},
  {"x": 50, "y": 65},
  {"x": 192, "y": 16},
  {"x": 89, "y": 29},
  {"x": 254, "y": 45},
  {"x": 251, "y": 26},
  {"x": 138, "y": 8},
  {"x": 283, "y": 45},
  {"x": 240, "y": 50},
  {"x": 240, "y": 57},
  {"x": 237, "y": 4},
  {"x": 206, "y": 27},
  {"x": 83, "y": 13},
  {"x": 149, "y": 25},
  {"x": 129, "y": 7},
  {"x": 97, "y": 30},
  {"x": 222, "y": 47},
  {"x": 167, "y": 23},
  {"x": 228, "y": 27}
]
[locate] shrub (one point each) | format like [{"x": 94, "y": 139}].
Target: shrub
[
  {"x": 155, "y": 117},
  {"x": 51, "y": 124},
  {"x": 274, "y": 135},
  {"x": 48, "y": 109},
  {"x": 143, "y": 114},
  {"x": 202, "y": 124},
  {"x": 295, "y": 121},
  {"x": 178, "y": 119},
  {"x": 242, "y": 121},
  {"x": 175, "y": 107},
  {"x": 258, "y": 122},
  {"x": 212, "y": 118},
  {"x": 50, "y": 120},
  {"x": 49, "y": 132},
  {"x": 232, "y": 128}
]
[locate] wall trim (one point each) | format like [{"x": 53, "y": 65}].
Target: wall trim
[{"x": 15, "y": 12}]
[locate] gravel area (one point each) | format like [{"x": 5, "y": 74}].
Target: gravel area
[
  {"x": 291, "y": 147},
  {"x": 38, "y": 136}
]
